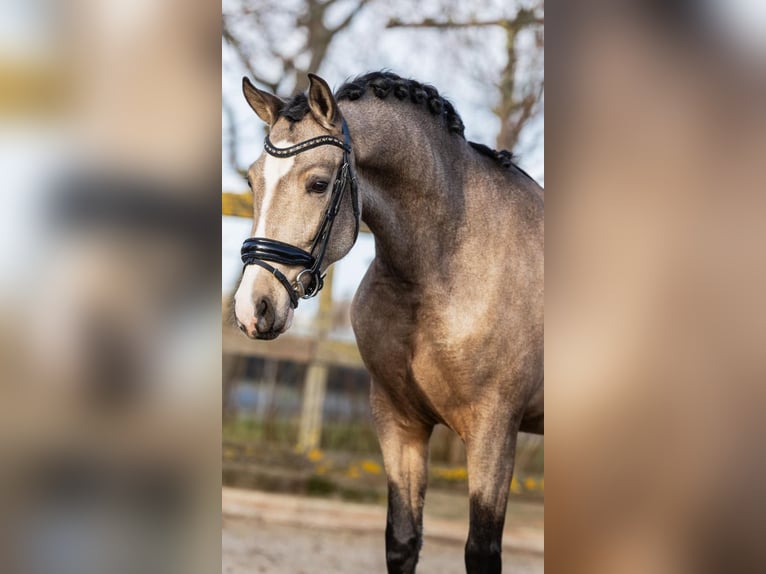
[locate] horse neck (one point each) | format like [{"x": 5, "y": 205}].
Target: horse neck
[{"x": 409, "y": 171}]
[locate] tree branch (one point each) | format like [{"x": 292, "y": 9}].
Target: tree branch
[
  {"x": 513, "y": 113},
  {"x": 431, "y": 23},
  {"x": 350, "y": 17},
  {"x": 244, "y": 58},
  {"x": 523, "y": 18}
]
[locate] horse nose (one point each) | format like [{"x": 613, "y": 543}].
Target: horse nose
[{"x": 264, "y": 315}]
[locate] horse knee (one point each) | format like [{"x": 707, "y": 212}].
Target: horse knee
[{"x": 482, "y": 556}]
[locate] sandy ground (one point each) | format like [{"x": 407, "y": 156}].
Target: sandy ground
[{"x": 282, "y": 534}]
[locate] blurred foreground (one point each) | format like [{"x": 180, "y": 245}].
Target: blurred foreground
[
  {"x": 655, "y": 322},
  {"x": 109, "y": 268}
]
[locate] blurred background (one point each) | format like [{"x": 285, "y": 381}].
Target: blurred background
[
  {"x": 109, "y": 306},
  {"x": 295, "y": 410}
]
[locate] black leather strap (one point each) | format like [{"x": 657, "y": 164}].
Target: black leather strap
[
  {"x": 271, "y": 149},
  {"x": 273, "y": 250},
  {"x": 280, "y": 276}
]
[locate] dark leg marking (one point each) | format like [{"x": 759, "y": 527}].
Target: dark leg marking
[
  {"x": 404, "y": 534},
  {"x": 485, "y": 537}
]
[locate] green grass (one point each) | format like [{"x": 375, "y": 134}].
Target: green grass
[
  {"x": 348, "y": 437},
  {"x": 359, "y": 438}
]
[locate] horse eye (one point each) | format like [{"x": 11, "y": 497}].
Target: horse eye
[{"x": 318, "y": 186}]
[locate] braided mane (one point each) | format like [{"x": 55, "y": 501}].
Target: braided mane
[{"x": 383, "y": 84}]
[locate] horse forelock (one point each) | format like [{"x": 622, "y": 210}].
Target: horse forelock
[{"x": 296, "y": 108}]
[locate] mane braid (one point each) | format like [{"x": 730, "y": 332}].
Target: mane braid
[{"x": 383, "y": 84}]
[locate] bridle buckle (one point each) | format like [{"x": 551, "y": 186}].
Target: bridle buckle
[{"x": 316, "y": 282}]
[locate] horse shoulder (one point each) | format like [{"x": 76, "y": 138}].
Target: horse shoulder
[{"x": 380, "y": 318}]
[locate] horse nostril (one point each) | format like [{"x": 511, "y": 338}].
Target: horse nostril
[{"x": 264, "y": 315}]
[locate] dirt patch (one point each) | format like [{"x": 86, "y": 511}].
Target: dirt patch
[{"x": 268, "y": 533}]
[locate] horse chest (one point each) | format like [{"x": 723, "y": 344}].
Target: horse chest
[{"x": 408, "y": 357}]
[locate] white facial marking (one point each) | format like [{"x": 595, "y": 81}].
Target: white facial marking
[
  {"x": 274, "y": 169},
  {"x": 244, "y": 306}
]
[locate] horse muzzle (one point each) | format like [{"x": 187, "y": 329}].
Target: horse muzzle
[{"x": 261, "y": 308}]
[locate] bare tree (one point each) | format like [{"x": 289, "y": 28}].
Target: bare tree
[
  {"x": 309, "y": 21},
  {"x": 520, "y": 98}
]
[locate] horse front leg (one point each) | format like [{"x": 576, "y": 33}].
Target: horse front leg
[
  {"x": 405, "y": 458},
  {"x": 490, "y": 451}
]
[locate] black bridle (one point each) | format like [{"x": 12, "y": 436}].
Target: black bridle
[{"x": 259, "y": 250}]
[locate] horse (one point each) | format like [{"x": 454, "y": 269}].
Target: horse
[{"x": 448, "y": 317}]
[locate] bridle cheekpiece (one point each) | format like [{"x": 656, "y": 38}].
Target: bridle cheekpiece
[{"x": 260, "y": 250}]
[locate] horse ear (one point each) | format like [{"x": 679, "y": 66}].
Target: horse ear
[
  {"x": 266, "y": 105},
  {"x": 322, "y": 103}
]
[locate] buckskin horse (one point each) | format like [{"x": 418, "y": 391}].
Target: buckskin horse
[{"x": 448, "y": 317}]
